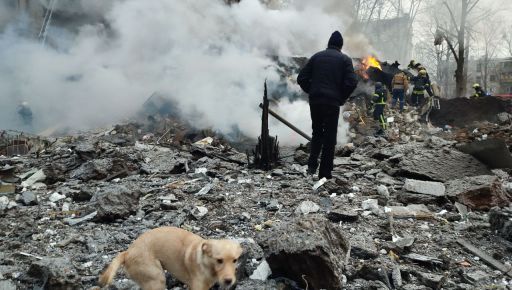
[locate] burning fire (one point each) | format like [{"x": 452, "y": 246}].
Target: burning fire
[
  {"x": 365, "y": 64},
  {"x": 370, "y": 61}
]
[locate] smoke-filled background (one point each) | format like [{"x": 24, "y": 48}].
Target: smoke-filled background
[{"x": 210, "y": 57}]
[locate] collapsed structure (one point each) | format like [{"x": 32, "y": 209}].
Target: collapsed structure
[
  {"x": 426, "y": 208},
  {"x": 420, "y": 210}
]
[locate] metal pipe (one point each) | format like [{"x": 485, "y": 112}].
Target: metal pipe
[{"x": 275, "y": 115}]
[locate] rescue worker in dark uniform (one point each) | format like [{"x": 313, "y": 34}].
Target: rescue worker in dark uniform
[
  {"x": 380, "y": 99},
  {"x": 479, "y": 92},
  {"x": 400, "y": 85},
  {"x": 421, "y": 84},
  {"x": 329, "y": 79}
]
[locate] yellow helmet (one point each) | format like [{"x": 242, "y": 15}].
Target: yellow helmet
[
  {"x": 422, "y": 72},
  {"x": 476, "y": 86}
]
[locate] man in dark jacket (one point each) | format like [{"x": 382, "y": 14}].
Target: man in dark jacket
[{"x": 329, "y": 79}]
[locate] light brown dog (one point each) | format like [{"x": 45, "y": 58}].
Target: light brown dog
[{"x": 197, "y": 262}]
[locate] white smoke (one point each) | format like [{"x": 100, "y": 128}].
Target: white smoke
[{"x": 210, "y": 57}]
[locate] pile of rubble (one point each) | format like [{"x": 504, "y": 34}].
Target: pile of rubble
[{"x": 409, "y": 212}]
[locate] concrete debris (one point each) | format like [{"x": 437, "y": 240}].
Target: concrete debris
[
  {"x": 425, "y": 187},
  {"x": 4, "y": 202},
  {"x": 199, "y": 212},
  {"x": 29, "y": 198},
  {"x": 53, "y": 273},
  {"x": 478, "y": 192},
  {"x": 418, "y": 211},
  {"x": 311, "y": 248},
  {"x": 76, "y": 221},
  {"x": 34, "y": 178},
  {"x": 382, "y": 190},
  {"x": 438, "y": 165},
  {"x": 428, "y": 261},
  {"x": 506, "y": 269},
  {"x": 205, "y": 189},
  {"x": 262, "y": 272},
  {"x": 501, "y": 221},
  {"x": 55, "y": 196},
  {"x": 492, "y": 152},
  {"x": 433, "y": 281},
  {"x": 114, "y": 202},
  {"x": 388, "y": 219},
  {"x": 508, "y": 187},
  {"x": 337, "y": 216},
  {"x": 307, "y": 207}
]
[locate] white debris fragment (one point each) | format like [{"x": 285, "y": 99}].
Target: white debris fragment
[
  {"x": 56, "y": 197},
  {"x": 319, "y": 183},
  {"x": 204, "y": 142},
  {"x": 383, "y": 191},
  {"x": 262, "y": 272},
  {"x": 199, "y": 212},
  {"x": 307, "y": 207}
]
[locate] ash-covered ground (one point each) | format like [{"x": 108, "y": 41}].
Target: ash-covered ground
[{"x": 398, "y": 214}]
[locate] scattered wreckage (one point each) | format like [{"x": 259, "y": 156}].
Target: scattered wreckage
[{"x": 422, "y": 209}]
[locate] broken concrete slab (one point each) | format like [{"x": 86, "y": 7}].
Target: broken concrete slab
[
  {"x": 94, "y": 169},
  {"x": 114, "y": 202},
  {"x": 431, "y": 280},
  {"x": 337, "y": 216},
  {"x": 363, "y": 247},
  {"x": 418, "y": 211},
  {"x": 437, "y": 165},
  {"x": 29, "y": 198},
  {"x": 38, "y": 176},
  {"x": 407, "y": 197},
  {"x": 491, "y": 152},
  {"x": 76, "y": 221},
  {"x": 425, "y": 187},
  {"x": 311, "y": 248},
  {"x": 54, "y": 273},
  {"x": 501, "y": 221},
  {"x": 430, "y": 262},
  {"x": 478, "y": 192}
]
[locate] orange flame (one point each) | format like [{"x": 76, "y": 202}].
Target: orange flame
[
  {"x": 365, "y": 64},
  {"x": 371, "y": 61}
]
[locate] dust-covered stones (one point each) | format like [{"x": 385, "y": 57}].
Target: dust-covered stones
[{"x": 311, "y": 249}]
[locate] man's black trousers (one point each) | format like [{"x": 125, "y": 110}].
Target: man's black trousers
[{"x": 325, "y": 127}]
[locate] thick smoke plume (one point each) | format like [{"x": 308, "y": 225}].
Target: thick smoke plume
[{"x": 210, "y": 57}]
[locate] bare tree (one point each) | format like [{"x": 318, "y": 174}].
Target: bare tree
[
  {"x": 458, "y": 15},
  {"x": 489, "y": 42},
  {"x": 507, "y": 39}
]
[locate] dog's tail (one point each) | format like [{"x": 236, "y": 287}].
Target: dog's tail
[{"x": 107, "y": 276}]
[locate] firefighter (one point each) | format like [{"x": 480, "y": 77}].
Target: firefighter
[
  {"x": 400, "y": 84},
  {"x": 379, "y": 103},
  {"x": 479, "y": 92},
  {"x": 421, "y": 83}
]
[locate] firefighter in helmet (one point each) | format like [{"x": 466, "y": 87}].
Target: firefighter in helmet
[
  {"x": 380, "y": 99},
  {"x": 421, "y": 83},
  {"x": 479, "y": 92}
]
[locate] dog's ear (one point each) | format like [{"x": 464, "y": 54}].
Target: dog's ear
[{"x": 206, "y": 247}]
